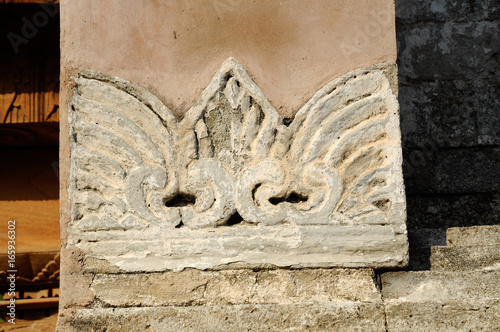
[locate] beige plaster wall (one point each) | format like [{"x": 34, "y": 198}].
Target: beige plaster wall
[{"x": 291, "y": 48}]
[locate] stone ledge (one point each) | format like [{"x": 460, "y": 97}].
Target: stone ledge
[
  {"x": 465, "y": 258},
  {"x": 194, "y": 287},
  {"x": 425, "y": 317},
  {"x": 470, "y": 236},
  {"x": 289, "y": 246},
  {"x": 443, "y": 287}
]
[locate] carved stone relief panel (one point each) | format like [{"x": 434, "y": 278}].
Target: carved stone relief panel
[{"x": 233, "y": 183}]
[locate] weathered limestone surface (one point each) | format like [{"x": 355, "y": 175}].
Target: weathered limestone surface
[
  {"x": 461, "y": 292},
  {"x": 195, "y": 287},
  {"x": 425, "y": 317},
  {"x": 442, "y": 301},
  {"x": 232, "y": 183},
  {"x": 251, "y": 317},
  {"x": 468, "y": 248},
  {"x": 441, "y": 287},
  {"x": 473, "y": 236},
  {"x": 230, "y": 300},
  {"x": 75, "y": 290},
  {"x": 299, "y": 300},
  {"x": 463, "y": 258}
]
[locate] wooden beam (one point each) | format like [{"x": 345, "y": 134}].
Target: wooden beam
[
  {"x": 30, "y": 1},
  {"x": 30, "y": 304}
]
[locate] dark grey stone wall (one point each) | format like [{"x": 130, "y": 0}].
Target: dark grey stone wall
[{"x": 449, "y": 86}]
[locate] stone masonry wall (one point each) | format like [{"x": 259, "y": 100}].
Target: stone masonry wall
[{"x": 448, "y": 57}]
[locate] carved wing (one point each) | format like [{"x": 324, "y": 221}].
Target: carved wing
[
  {"x": 334, "y": 163},
  {"x": 122, "y": 154},
  {"x": 135, "y": 165},
  {"x": 351, "y": 127}
]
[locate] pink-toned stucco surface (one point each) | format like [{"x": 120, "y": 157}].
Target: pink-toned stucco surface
[{"x": 291, "y": 48}]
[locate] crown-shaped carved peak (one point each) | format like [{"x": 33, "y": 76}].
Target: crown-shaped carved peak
[{"x": 238, "y": 88}]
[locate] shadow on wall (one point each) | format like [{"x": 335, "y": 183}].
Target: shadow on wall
[{"x": 448, "y": 57}]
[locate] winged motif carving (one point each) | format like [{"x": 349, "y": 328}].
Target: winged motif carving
[
  {"x": 234, "y": 182},
  {"x": 233, "y": 158}
]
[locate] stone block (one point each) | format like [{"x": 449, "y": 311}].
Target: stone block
[
  {"x": 441, "y": 287},
  {"x": 419, "y": 170},
  {"x": 473, "y": 236},
  {"x": 464, "y": 258},
  {"x": 439, "y": 114},
  {"x": 431, "y": 11},
  {"x": 449, "y": 51},
  {"x": 454, "y": 113},
  {"x": 468, "y": 170},
  {"x": 448, "y": 210},
  {"x": 487, "y": 114},
  {"x": 195, "y": 287},
  {"x": 251, "y": 317},
  {"x": 441, "y": 301},
  {"x": 436, "y": 317},
  {"x": 74, "y": 284}
]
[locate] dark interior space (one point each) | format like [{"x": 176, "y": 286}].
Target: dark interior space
[
  {"x": 448, "y": 58},
  {"x": 29, "y": 150}
]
